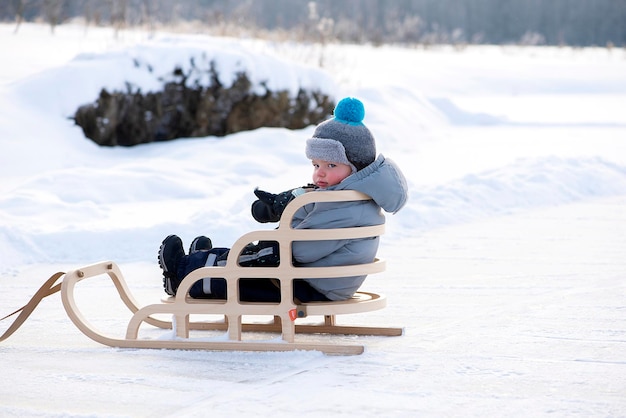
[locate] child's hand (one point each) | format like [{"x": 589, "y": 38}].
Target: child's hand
[
  {"x": 270, "y": 207},
  {"x": 266, "y": 197}
]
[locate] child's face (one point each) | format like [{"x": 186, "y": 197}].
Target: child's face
[{"x": 326, "y": 173}]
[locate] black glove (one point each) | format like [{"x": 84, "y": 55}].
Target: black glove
[{"x": 269, "y": 207}]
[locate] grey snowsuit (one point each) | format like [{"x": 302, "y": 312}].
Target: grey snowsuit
[{"x": 385, "y": 184}]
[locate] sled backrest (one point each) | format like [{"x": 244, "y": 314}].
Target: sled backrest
[{"x": 285, "y": 235}]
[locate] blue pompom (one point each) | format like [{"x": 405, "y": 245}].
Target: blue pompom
[{"x": 350, "y": 110}]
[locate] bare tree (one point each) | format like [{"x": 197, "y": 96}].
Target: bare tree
[
  {"x": 572, "y": 22},
  {"x": 19, "y": 6},
  {"x": 118, "y": 15},
  {"x": 52, "y": 10}
]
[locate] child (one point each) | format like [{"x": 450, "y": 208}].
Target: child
[{"x": 343, "y": 153}]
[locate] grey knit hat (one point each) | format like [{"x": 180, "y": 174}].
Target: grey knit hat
[{"x": 344, "y": 139}]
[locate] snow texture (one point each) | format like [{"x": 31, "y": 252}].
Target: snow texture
[{"x": 507, "y": 267}]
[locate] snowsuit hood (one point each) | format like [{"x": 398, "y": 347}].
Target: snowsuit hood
[{"x": 382, "y": 180}]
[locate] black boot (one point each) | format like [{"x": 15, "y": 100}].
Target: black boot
[
  {"x": 200, "y": 243},
  {"x": 170, "y": 254}
]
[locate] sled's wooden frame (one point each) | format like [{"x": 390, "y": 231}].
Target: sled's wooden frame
[{"x": 284, "y": 314}]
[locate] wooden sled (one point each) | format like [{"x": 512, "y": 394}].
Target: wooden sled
[{"x": 284, "y": 315}]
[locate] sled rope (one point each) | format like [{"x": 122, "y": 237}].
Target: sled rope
[{"x": 47, "y": 289}]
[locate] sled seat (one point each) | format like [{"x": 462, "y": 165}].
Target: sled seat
[
  {"x": 286, "y": 316},
  {"x": 360, "y": 302}
]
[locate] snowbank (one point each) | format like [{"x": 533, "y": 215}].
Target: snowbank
[
  {"x": 506, "y": 267},
  {"x": 118, "y": 203}
]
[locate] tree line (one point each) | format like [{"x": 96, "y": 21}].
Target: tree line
[{"x": 529, "y": 22}]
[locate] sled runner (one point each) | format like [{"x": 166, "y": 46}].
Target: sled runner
[{"x": 285, "y": 315}]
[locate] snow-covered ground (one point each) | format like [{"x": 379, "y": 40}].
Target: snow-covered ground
[{"x": 507, "y": 267}]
